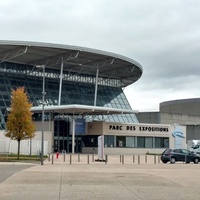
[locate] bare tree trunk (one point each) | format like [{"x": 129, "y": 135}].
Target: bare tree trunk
[{"x": 18, "y": 149}]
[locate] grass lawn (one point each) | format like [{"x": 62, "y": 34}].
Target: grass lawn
[{"x": 22, "y": 158}]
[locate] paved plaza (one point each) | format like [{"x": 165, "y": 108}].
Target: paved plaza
[{"x": 119, "y": 178}]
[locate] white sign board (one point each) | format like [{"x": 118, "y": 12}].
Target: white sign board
[{"x": 101, "y": 147}]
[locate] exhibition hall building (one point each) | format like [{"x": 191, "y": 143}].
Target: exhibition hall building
[{"x": 77, "y": 97}]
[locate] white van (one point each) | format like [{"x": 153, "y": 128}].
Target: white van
[{"x": 195, "y": 148}]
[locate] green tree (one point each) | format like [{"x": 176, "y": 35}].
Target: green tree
[{"x": 19, "y": 123}]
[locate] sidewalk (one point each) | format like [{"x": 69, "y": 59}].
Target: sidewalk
[{"x": 97, "y": 180}]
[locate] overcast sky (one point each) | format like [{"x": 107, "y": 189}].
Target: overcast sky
[{"x": 163, "y": 36}]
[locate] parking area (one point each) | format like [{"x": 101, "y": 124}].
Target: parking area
[{"x": 98, "y": 180}]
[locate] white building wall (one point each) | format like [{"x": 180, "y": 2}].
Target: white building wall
[
  {"x": 32, "y": 146},
  {"x": 101, "y": 128},
  {"x": 173, "y": 132}
]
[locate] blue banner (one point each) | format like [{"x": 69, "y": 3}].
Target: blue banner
[{"x": 80, "y": 127}]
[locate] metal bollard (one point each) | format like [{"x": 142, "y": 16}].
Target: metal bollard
[
  {"x": 78, "y": 157},
  {"x": 106, "y": 159},
  {"x": 93, "y": 157},
  {"x": 145, "y": 158},
  {"x": 88, "y": 159},
  {"x": 122, "y": 159},
  {"x": 70, "y": 159},
  {"x": 52, "y": 160},
  {"x": 133, "y": 158},
  {"x": 138, "y": 159},
  {"x": 64, "y": 158},
  {"x": 49, "y": 157},
  {"x": 154, "y": 159}
]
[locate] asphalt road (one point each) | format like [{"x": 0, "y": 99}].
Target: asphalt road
[{"x": 8, "y": 170}]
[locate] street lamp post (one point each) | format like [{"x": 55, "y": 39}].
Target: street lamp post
[{"x": 43, "y": 103}]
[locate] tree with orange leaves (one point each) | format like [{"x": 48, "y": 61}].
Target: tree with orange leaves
[{"x": 19, "y": 123}]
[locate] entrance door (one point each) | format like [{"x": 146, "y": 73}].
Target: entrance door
[
  {"x": 63, "y": 138},
  {"x": 77, "y": 143}
]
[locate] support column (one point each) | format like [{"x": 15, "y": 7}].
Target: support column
[
  {"x": 96, "y": 87},
  {"x": 60, "y": 87},
  {"x": 73, "y": 134}
]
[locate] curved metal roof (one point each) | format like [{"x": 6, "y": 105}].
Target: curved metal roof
[{"x": 75, "y": 59}]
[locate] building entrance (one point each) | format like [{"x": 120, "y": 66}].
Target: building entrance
[{"x": 63, "y": 137}]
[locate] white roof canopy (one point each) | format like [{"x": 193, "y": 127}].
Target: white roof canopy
[{"x": 82, "y": 109}]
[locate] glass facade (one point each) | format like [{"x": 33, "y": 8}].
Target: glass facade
[{"x": 75, "y": 90}]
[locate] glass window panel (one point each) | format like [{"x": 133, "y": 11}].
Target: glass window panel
[
  {"x": 161, "y": 142},
  {"x": 140, "y": 142},
  {"x": 109, "y": 141},
  {"x": 130, "y": 141},
  {"x": 148, "y": 142},
  {"x": 8, "y": 103},
  {"x": 2, "y": 103},
  {"x": 121, "y": 141},
  {"x": 3, "y": 89},
  {"x": 6, "y": 97}
]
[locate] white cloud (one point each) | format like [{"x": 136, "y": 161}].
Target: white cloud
[{"x": 163, "y": 36}]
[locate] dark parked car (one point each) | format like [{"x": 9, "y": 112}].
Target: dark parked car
[{"x": 175, "y": 155}]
